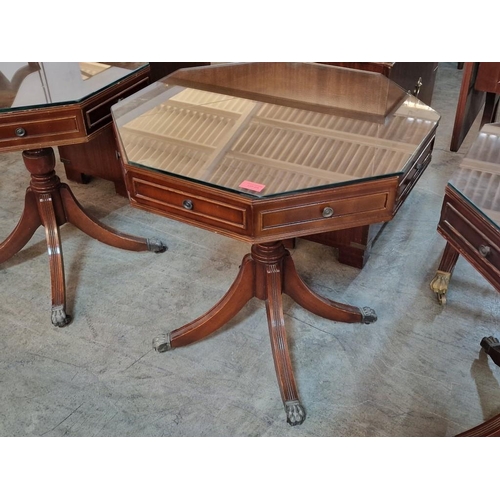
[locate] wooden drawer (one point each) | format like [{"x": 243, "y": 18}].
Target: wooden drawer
[
  {"x": 257, "y": 220},
  {"x": 414, "y": 172},
  {"x": 326, "y": 210},
  {"x": 97, "y": 112},
  {"x": 201, "y": 206},
  {"x": 471, "y": 235},
  {"x": 27, "y": 130}
]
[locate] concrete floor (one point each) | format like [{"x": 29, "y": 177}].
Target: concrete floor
[{"x": 417, "y": 371}]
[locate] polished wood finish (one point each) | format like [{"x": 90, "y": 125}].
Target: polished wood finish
[
  {"x": 97, "y": 156},
  {"x": 50, "y": 203},
  {"x": 469, "y": 223},
  {"x": 266, "y": 273},
  {"x": 283, "y": 157},
  {"x": 266, "y": 220},
  {"x": 480, "y": 87},
  {"x": 490, "y": 428},
  {"x": 354, "y": 244},
  {"x": 468, "y": 233}
]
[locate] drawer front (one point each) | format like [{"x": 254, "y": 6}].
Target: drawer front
[
  {"x": 98, "y": 111},
  {"x": 472, "y": 235},
  {"x": 41, "y": 128},
  {"x": 326, "y": 210},
  {"x": 184, "y": 201},
  {"x": 413, "y": 173}
]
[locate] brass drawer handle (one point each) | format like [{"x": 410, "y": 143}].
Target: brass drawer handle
[
  {"x": 20, "y": 132},
  {"x": 327, "y": 212},
  {"x": 187, "y": 204},
  {"x": 484, "y": 250}
]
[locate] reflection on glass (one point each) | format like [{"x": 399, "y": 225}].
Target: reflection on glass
[
  {"x": 274, "y": 144},
  {"x": 478, "y": 178},
  {"x": 26, "y": 85}
]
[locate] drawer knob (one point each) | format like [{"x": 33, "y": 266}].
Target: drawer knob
[
  {"x": 327, "y": 212},
  {"x": 187, "y": 204},
  {"x": 484, "y": 250},
  {"x": 20, "y": 132}
]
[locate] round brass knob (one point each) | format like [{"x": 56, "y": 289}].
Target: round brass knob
[
  {"x": 187, "y": 204},
  {"x": 20, "y": 132},
  {"x": 327, "y": 212},
  {"x": 484, "y": 250}
]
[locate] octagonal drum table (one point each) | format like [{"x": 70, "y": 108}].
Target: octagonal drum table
[
  {"x": 60, "y": 104},
  {"x": 264, "y": 152}
]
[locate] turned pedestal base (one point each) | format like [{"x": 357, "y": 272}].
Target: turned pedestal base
[
  {"x": 266, "y": 273},
  {"x": 50, "y": 203}
]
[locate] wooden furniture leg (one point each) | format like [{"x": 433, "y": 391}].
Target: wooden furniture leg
[
  {"x": 441, "y": 280},
  {"x": 266, "y": 273},
  {"x": 51, "y": 204}
]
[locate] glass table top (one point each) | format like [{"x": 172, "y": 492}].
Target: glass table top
[
  {"x": 478, "y": 178},
  {"x": 266, "y": 129},
  {"x": 26, "y": 85}
]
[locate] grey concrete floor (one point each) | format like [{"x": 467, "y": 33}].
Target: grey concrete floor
[{"x": 417, "y": 371}]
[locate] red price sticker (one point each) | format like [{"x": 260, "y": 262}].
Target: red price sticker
[{"x": 252, "y": 186}]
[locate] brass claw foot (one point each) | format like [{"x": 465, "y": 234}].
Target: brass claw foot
[
  {"x": 162, "y": 342},
  {"x": 59, "y": 317},
  {"x": 295, "y": 413},
  {"x": 368, "y": 315},
  {"x": 439, "y": 285},
  {"x": 155, "y": 245}
]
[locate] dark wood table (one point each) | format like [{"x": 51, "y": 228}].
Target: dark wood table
[
  {"x": 43, "y": 105},
  {"x": 480, "y": 90},
  {"x": 265, "y": 152},
  {"x": 470, "y": 224}
]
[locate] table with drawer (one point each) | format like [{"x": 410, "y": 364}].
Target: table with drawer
[
  {"x": 43, "y": 105},
  {"x": 267, "y": 152},
  {"x": 470, "y": 224},
  {"x": 470, "y": 214}
]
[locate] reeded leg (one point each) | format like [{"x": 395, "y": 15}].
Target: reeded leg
[
  {"x": 48, "y": 216},
  {"x": 265, "y": 274},
  {"x": 240, "y": 292},
  {"x": 441, "y": 280},
  {"x": 295, "y": 288},
  {"x": 22, "y": 233},
  {"x": 295, "y": 413},
  {"x": 51, "y": 204},
  {"x": 95, "y": 229}
]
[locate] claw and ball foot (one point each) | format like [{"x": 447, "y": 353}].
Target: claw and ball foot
[
  {"x": 162, "y": 343},
  {"x": 368, "y": 315},
  {"x": 439, "y": 285},
  {"x": 491, "y": 346},
  {"x": 295, "y": 413},
  {"x": 59, "y": 317},
  {"x": 155, "y": 245}
]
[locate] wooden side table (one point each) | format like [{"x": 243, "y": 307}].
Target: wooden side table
[
  {"x": 470, "y": 224},
  {"x": 61, "y": 104},
  {"x": 236, "y": 149}
]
